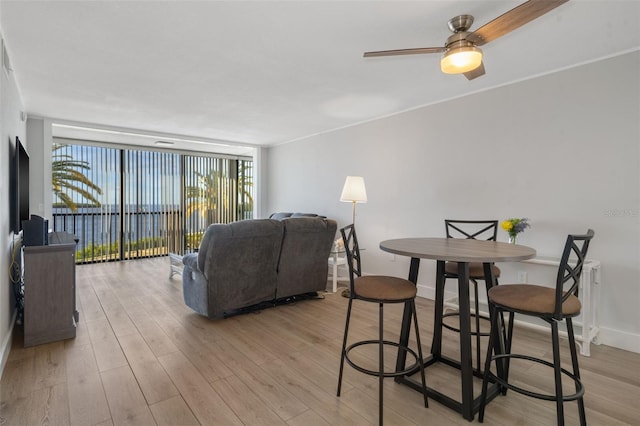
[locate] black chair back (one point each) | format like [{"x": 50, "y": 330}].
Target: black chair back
[
  {"x": 472, "y": 229},
  {"x": 352, "y": 250},
  {"x": 570, "y": 269}
]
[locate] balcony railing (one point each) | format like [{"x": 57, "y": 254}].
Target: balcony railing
[{"x": 105, "y": 237}]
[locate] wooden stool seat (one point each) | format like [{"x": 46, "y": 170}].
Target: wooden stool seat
[
  {"x": 532, "y": 299},
  {"x": 476, "y": 270},
  {"x": 380, "y": 288}
]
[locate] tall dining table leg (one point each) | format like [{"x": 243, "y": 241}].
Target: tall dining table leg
[
  {"x": 406, "y": 319},
  {"x": 436, "y": 344},
  {"x": 500, "y": 339},
  {"x": 466, "y": 406},
  {"x": 466, "y": 363}
]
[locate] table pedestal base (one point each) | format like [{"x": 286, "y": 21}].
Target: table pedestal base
[{"x": 493, "y": 390}]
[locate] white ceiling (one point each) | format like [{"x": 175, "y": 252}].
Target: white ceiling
[{"x": 269, "y": 72}]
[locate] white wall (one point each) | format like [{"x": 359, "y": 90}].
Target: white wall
[
  {"x": 561, "y": 149},
  {"x": 40, "y": 141},
  {"x": 11, "y": 125}
]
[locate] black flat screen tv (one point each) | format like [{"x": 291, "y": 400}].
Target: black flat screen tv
[{"x": 20, "y": 208}]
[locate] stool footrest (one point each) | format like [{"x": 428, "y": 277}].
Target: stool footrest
[
  {"x": 547, "y": 397},
  {"x": 412, "y": 368}
]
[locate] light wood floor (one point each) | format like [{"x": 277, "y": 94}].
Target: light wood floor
[{"x": 142, "y": 357}]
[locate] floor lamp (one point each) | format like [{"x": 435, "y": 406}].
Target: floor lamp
[{"x": 354, "y": 192}]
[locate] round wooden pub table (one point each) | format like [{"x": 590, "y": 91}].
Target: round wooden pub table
[{"x": 463, "y": 251}]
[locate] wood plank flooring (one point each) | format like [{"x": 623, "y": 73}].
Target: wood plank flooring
[{"x": 141, "y": 357}]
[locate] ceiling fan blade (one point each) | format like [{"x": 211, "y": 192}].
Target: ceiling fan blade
[
  {"x": 397, "y": 52},
  {"x": 514, "y": 18},
  {"x": 475, "y": 73}
]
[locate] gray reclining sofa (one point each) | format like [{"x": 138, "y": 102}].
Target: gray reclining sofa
[{"x": 245, "y": 263}]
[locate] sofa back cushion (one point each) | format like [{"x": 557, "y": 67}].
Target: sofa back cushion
[
  {"x": 303, "y": 258},
  {"x": 240, "y": 262}
]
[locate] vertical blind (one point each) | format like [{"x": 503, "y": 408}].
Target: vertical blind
[
  {"x": 127, "y": 204},
  {"x": 150, "y": 204}
]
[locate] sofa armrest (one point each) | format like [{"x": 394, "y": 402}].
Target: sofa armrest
[{"x": 191, "y": 260}]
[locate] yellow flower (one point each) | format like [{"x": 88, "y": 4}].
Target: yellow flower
[{"x": 507, "y": 225}]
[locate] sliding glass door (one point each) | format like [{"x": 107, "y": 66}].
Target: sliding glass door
[{"x": 127, "y": 204}]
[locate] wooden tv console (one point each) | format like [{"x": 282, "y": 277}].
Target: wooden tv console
[{"x": 50, "y": 291}]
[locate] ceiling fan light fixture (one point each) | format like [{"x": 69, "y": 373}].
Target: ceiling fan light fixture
[{"x": 459, "y": 60}]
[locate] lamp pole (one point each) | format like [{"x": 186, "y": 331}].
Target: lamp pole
[{"x": 353, "y": 213}]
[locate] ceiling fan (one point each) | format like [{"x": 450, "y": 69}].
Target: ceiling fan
[{"x": 461, "y": 54}]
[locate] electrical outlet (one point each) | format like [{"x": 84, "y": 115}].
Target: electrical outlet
[{"x": 522, "y": 277}]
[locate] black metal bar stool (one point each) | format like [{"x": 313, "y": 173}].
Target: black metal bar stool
[
  {"x": 553, "y": 305},
  {"x": 470, "y": 229},
  {"x": 377, "y": 289}
]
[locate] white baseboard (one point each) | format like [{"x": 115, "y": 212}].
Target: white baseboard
[
  {"x": 6, "y": 343},
  {"x": 619, "y": 339},
  {"x": 426, "y": 292},
  {"x": 430, "y": 293}
]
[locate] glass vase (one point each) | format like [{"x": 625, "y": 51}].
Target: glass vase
[{"x": 512, "y": 239}]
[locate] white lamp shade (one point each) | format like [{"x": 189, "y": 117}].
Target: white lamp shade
[{"x": 354, "y": 190}]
